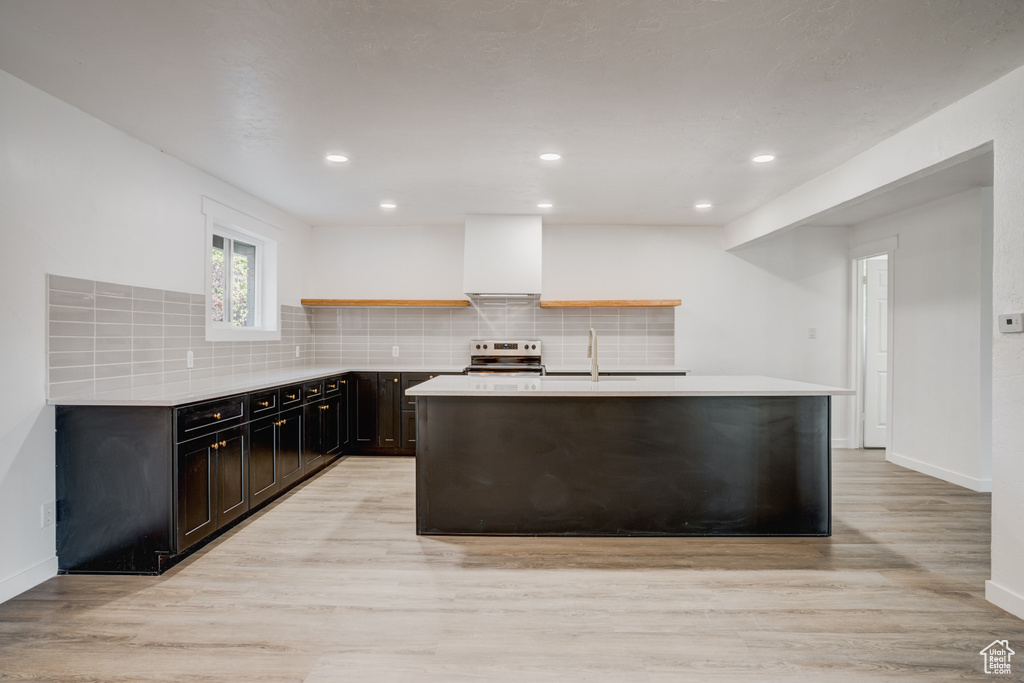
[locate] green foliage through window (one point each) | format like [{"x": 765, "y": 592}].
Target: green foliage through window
[{"x": 239, "y": 296}]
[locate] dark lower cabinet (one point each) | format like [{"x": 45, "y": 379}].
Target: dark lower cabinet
[
  {"x": 290, "y": 433},
  {"x": 363, "y": 410},
  {"x": 382, "y": 417},
  {"x": 197, "y": 505},
  {"x": 264, "y": 459},
  {"x": 213, "y": 489},
  {"x": 139, "y": 487},
  {"x": 312, "y": 451},
  {"x": 389, "y": 405}
]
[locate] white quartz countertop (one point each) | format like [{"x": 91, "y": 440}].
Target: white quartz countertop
[
  {"x": 690, "y": 385},
  {"x": 179, "y": 393},
  {"x": 620, "y": 369}
]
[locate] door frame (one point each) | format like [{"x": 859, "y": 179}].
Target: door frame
[{"x": 887, "y": 246}]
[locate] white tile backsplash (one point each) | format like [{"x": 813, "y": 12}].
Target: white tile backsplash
[
  {"x": 105, "y": 336},
  {"x": 440, "y": 336}
]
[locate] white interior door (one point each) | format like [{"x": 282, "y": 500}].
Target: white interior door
[{"x": 876, "y": 335}]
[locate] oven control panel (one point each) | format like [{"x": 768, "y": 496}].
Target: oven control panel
[{"x": 500, "y": 347}]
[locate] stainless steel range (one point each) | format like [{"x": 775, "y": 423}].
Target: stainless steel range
[{"x": 492, "y": 357}]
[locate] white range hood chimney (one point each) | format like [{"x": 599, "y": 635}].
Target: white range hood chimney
[{"x": 502, "y": 255}]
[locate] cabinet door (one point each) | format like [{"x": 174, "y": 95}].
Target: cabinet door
[
  {"x": 344, "y": 422},
  {"x": 263, "y": 457},
  {"x": 389, "y": 407},
  {"x": 409, "y": 430},
  {"x": 363, "y": 409},
  {"x": 331, "y": 420},
  {"x": 289, "y": 447},
  {"x": 409, "y": 380},
  {"x": 232, "y": 475},
  {"x": 196, "y": 483},
  {"x": 312, "y": 452}
]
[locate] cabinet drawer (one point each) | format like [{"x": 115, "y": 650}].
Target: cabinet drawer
[
  {"x": 291, "y": 396},
  {"x": 263, "y": 403},
  {"x": 313, "y": 391},
  {"x": 333, "y": 385},
  {"x": 205, "y": 418}
]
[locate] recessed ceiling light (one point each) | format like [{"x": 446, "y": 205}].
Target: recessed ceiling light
[
  {"x": 388, "y": 205},
  {"x": 544, "y": 205},
  {"x": 550, "y": 156},
  {"x": 702, "y": 205},
  {"x": 763, "y": 158},
  {"x": 337, "y": 158}
]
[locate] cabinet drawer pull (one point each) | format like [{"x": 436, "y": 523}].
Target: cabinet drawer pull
[
  {"x": 395, "y": 380},
  {"x": 314, "y": 391},
  {"x": 290, "y": 396},
  {"x": 332, "y": 386},
  {"x": 215, "y": 446},
  {"x": 342, "y": 381},
  {"x": 284, "y": 421},
  {"x": 324, "y": 407},
  {"x": 431, "y": 377},
  {"x": 216, "y": 416},
  {"x": 223, "y": 444},
  {"x": 264, "y": 404}
]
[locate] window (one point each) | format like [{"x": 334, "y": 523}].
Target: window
[
  {"x": 234, "y": 289},
  {"x": 241, "y": 276}
]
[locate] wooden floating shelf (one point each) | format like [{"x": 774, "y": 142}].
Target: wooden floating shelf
[
  {"x": 386, "y": 302},
  {"x": 614, "y": 303}
]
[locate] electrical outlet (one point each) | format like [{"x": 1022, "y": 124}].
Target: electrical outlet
[
  {"x": 49, "y": 514},
  {"x": 296, "y": 350},
  {"x": 190, "y": 359},
  {"x": 394, "y": 352},
  {"x": 812, "y": 333}
]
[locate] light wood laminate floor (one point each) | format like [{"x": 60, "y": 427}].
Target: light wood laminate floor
[{"x": 331, "y": 583}]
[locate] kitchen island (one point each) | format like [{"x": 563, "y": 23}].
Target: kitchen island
[{"x": 629, "y": 456}]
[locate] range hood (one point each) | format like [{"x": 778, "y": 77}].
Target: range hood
[{"x": 502, "y": 255}]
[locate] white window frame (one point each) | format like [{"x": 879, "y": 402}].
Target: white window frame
[{"x": 232, "y": 224}]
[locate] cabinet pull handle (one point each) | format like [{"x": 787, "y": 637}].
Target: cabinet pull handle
[
  {"x": 395, "y": 380},
  {"x": 324, "y": 407},
  {"x": 215, "y": 446},
  {"x": 332, "y": 386},
  {"x": 314, "y": 391},
  {"x": 290, "y": 396},
  {"x": 342, "y": 381},
  {"x": 264, "y": 404},
  {"x": 216, "y": 416},
  {"x": 431, "y": 377},
  {"x": 223, "y": 444}
]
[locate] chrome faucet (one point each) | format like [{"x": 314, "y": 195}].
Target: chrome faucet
[{"x": 592, "y": 354}]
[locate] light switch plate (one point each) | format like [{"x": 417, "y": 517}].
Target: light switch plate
[{"x": 1011, "y": 322}]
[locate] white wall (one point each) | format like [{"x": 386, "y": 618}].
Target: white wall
[
  {"x": 937, "y": 382},
  {"x": 82, "y": 199},
  {"x": 990, "y": 116},
  {"x": 742, "y": 313}
]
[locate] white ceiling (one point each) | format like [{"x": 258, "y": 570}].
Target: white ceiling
[{"x": 444, "y": 105}]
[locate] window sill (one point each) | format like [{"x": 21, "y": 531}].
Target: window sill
[{"x": 240, "y": 334}]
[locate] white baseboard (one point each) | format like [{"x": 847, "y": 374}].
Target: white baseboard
[
  {"x": 972, "y": 483},
  {"x": 841, "y": 443},
  {"x": 19, "y": 583},
  {"x": 1004, "y": 598}
]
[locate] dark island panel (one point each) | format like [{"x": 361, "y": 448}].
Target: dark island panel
[{"x": 674, "y": 466}]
